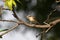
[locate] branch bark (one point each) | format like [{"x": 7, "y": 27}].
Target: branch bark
[{"x": 31, "y": 25}]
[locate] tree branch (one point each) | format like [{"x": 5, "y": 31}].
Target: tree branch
[
  {"x": 33, "y": 25},
  {"x": 51, "y": 24}
]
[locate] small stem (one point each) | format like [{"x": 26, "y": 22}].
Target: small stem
[
  {"x": 49, "y": 15},
  {"x": 43, "y": 35},
  {"x": 15, "y": 15},
  {"x": 10, "y": 29}
]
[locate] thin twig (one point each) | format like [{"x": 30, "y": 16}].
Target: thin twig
[
  {"x": 8, "y": 21},
  {"x": 43, "y": 35},
  {"x": 48, "y": 19},
  {"x": 52, "y": 24},
  {"x": 49, "y": 15},
  {"x": 9, "y": 30},
  {"x": 15, "y": 15}
]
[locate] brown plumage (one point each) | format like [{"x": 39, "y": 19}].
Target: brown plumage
[{"x": 32, "y": 19}]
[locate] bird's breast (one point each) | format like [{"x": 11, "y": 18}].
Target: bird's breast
[{"x": 31, "y": 19}]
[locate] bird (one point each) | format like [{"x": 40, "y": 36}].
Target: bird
[{"x": 32, "y": 19}]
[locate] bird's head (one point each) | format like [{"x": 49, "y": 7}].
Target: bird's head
[{"x": 29, "y": 16}]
